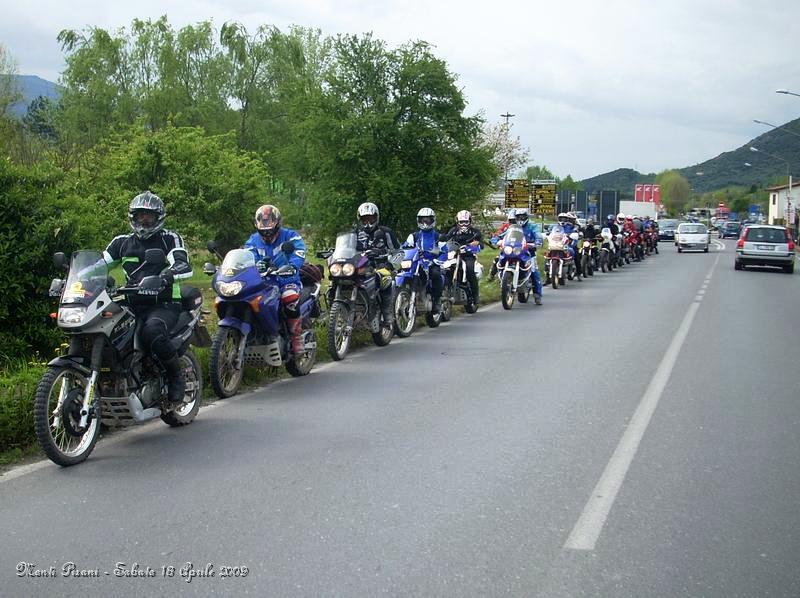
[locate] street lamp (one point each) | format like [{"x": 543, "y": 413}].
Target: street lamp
[
  {"x": 789, "y": 176},
  {"x": 787, "y": 92},
  {"x": 782, "y": 128}
]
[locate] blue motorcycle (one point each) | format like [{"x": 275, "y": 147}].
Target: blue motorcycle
[
  {"x": 251, "y": 330},
  {"x": 514, "y": 268},
  {"x": 414, "y": 292}
]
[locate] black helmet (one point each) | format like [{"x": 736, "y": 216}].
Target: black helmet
[{"x": 146, "y": 214}]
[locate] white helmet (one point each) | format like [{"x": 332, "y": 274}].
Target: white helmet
[
  {"x": 522, "y": 216},
  {"x": 512, "y": 216},
  {"x": 426, "y": 219},
  {"x": 620, "y": 218},
  {"x": 463, "y": 220},
  {"x": 368, "y": 215}
]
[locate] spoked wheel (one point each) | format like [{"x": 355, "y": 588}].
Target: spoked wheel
[
  {"x": 507, "y": 295},
  {"x": 523, "y": 296},
  {"x": 405, "y": 314},
  {"x": 223, "y": 371},
  {"x": 447, "y": 309},
  {"x": 603, "y": 262},
  {"x": 553, "y": 275},
  {"x": 57, "y": 415},
  {"x": 339, "y": 330},
  {"x": 185, "y": 414},
  {"x": 301, "y": 364}
]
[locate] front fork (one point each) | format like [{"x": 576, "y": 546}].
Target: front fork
[{"x": 88, "y": 394}]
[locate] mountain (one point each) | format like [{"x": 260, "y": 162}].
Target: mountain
[
  {"x": 766, "y": 166},
  {"x": 32, "y": 87}
]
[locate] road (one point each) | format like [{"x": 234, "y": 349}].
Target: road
[{"x": 637, "y": 435}]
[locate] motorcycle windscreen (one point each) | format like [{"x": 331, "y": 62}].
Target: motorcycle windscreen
[
  {"x": 515, "y": 237},
  {"x": 236, "y": 261},
  {"x": 88, "y": 276},
  {"x": 346, "y": 246}
]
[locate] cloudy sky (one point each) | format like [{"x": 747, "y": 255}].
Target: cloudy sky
[{"x": 594, "y": 85}]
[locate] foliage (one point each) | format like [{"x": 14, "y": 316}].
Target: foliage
[
  {"x": 675, "y": 191},
  {"x": 17, "y": 388},
  {"x": 9, "y": 91},
  {"x": 533, "y": 173},
  {"x": 508, "y": 154}
]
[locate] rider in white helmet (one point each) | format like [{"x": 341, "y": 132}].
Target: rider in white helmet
[
  {"x": 427, "y": 239},
  {"x": 464, "y": 233}
]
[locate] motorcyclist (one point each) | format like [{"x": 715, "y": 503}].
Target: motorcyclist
[
  {"x": 427, "y": 240},
  {"x": 512, "y": 219},
  {"x": 146, "y": 215},
  {"x": 590, "y": 231},
  {"x": 569, "y": 224},
  {"x": 464, "y": 233},
  {"x": 378, "y": 241},
  {"x": 267, "y": 246},
  {"x": 535, "y": 239}
]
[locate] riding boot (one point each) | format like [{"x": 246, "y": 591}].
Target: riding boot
[
  {"x": 176, "y": 384},
  {"x": 295, "y": 327},
  {"x": 387, "y": 308}
]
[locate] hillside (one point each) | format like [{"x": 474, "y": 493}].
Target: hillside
[
  {"x": 32, "y": 87},
  {"x": 726, "y": 169}
]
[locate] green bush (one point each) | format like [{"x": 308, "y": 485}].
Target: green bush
[{"x": 17, "y": 390}]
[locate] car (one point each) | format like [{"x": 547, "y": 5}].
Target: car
[
  {"x": 730, "y": 229},
  {"x": 692, "y": 235},
  {"x": 765, "y": 245},
  {"x": 666, "y": 229}
]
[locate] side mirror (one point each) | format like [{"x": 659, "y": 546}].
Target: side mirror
[
  {"x": 212, "y": 246},
  {"x": 56, "y": 286},
  {"x": 155, "y": 257},
  {"x": 287, "y": 247},
  {"x": 209, "y": 268},
  {"x": 60, "y": 260}
]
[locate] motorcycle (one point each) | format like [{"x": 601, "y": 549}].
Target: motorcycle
[
  {"x": 456, "y": 285},
  {"x": 621, "y": 252},
  {"x": 354, "y": 296},
  {"x": 559, "y": 262},
  {"x": 106, "y": 376},
  {"x": 414, "y": 292},
  {"x": 607, "y": 252},
  {"x": 251, "y": 330},
  {"x": 515, "y": 275},
  {"x": 588, "y": 257},
  {"x": 652, "y": 241}
]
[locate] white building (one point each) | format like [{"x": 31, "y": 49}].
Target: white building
[{"x": 781, "y": 201}]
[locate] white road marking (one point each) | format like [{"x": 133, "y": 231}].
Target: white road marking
[
  {"x": 587, "y": 530},
  {"x": 594, "y": 515}
]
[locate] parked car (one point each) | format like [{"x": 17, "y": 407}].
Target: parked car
[
  {"x": 666, "y": 229},
  {"x": 765, "y": 245},
  {"x": 730, "y": 229},
  {"x": 692, "y": 235}
]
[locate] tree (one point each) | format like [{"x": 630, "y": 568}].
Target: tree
[
  {"x": 568, "y": 184},
  {"x": 675, "y": 191},
  {"x": 533, "y": 173},
  {"x": 9, "y": 90},
  {"x": 507, "y": 152}
]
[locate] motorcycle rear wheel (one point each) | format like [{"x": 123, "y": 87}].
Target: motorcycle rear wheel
[
  {"x": 225, "y": 378},
  {"x": 384, "y": 336},
  {"x": 301, "y": 364},
  {"x": 185, "y": 414},
  {"x": 405, "y": 314},
  {"x": 338, "y": 335},
  {"x": 63, "y": 445}
]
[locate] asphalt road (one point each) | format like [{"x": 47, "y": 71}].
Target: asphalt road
[{"x": 637, "y": 435}]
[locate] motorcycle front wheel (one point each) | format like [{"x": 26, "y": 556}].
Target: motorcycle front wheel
[
  {"x": 506, "y": 293},
  {"x": 225, "y": 376},
  {"x": 554, "y": 274},
  {"x": 56, "y": 412},
  {"x": 185, "y": 414},
  {"x": 339, "y": 330},
  {"x": 405, "y": 313}
]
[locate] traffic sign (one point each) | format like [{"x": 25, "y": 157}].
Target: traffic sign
[
  {"x": 544, "y": 197},
  {"x": 518, "y": 193}
]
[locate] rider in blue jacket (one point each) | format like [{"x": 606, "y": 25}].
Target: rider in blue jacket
[
  {"x": 427, "y": 240},
  {"x": 266, "y": 244},
  {"x": 534, "y": 239}
]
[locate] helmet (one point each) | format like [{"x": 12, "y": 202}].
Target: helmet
[
  {"x": 463, "y": 220},
  {"x": 268, "y": 222},
  {"x": 512, "y": 216},
  {"x": 146, "y": 214},
  {"x": 589, "y": 221},
  {"x": 620, "y": 217},
  {"x": 629, "y": 217},
  {"x": 522, "y": 216},
  {"x": 610, "y": 217},
  {"x": 572, "y": 216},
  {"x": 368, "y": 215},
  {"x": 426, "y": 219}
]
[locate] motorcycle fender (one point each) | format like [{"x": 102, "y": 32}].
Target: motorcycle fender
[
  {"x": 71, "y": 362},
  {"x": 403, "y": 278},
  {"x": 236, "y": 323}
]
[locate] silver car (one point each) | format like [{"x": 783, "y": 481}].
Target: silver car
[
  {"x": 692, "y": 235},
  {"x": 763, "y": 245}
]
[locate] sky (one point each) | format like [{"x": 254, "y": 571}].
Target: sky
[{"x": 593, "y": 85}]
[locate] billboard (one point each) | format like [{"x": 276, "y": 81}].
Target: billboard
[
  {"x": 638, "y": 193},
  {"x": 518, "y": 193},
  {"x": 657, "y": 194},
  {"x": 544, "y": 197}
]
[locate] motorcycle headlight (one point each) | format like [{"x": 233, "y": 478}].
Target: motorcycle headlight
[
  {"x": 71, "y": 315},
  {"x": 336, "y": 270},
  {"x": 406, "y": 264},
  {"x": 508, "y": 250},
  {"x": 229, "y": 289},
  {"x": 517, "y": 250},
  {"x": 348, "y": 270}
]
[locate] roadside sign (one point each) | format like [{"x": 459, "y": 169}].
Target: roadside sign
[
  {"x": 518, "y": 193},
  {"x": 544, "y": 197}
]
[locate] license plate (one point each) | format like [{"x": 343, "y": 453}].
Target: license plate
[{"x": 765, "y": 247}]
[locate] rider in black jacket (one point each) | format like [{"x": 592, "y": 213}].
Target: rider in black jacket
[
  {"x": 464, "y": 233},
  {"x": 378, "y": 240},
  {"x": 146, "y": 214}
]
